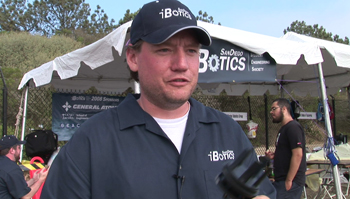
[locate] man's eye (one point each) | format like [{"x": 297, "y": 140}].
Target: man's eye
[
  {"x": 193, "y": 50},
  {"x": 163, "y": 50}
]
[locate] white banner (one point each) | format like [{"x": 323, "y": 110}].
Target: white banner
[
  {"x": 237, "y": 116},
  {"x": 307, "y": 116}
]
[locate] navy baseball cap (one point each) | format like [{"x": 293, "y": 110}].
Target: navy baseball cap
[
  {"x": 159, "y": 20},
  {"x": 9, "y": 141}
]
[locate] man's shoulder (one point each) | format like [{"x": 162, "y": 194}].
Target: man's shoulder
[
  {"x": 291, "y": 124},
  {"x": 8, "y": 165},
  {"x": 294, "y": 124},
  {"x": 127, "y": 107},
  {"x": 205, "y": 113}
]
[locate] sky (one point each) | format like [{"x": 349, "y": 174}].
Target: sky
[{"x": 267, "y": 17}]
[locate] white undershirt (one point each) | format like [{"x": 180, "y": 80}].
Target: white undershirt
[{"x": 174, "y": 129}]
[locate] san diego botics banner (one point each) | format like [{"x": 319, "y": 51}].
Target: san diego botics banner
[{"x": 225, "y": 62}]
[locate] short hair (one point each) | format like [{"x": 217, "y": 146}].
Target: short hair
[
  {"x": 283, "y": 102},
  {"x": 6, "y": 151},
  {"x": 137, "y": 47}
]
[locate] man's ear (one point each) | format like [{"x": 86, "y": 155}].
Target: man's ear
[
  {"x": 131, "y": 59},
  {"x": 285, "y": 110},
  {"x": 12, "y": 150}
]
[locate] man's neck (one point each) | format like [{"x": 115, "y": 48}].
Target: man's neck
[
  {"x": 286, "y": 120},
  {"x": 161, "y": 113},
  {"x": 11, "y": 157}
]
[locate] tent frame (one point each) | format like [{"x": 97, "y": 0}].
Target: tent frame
[{"x": 329, "y": 130}]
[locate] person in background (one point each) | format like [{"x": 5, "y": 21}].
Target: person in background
[
  {"x": 12, "y": 182},
  {"x": 162, "y": 144},
  {"x": 289, "y": 157}
]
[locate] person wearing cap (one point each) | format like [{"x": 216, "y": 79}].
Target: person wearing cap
[
  {"x": 12, "y": 182},
  {"x": 162, "y": 144}
]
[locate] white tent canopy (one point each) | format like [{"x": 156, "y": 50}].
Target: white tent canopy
[
  {"x": 99, "y": 64},
  {"x": 336, "y": 66},
  {"x": 340, "y": 52},
  {"x": 102, "y": 64}
]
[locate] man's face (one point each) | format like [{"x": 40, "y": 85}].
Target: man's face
[
  {"x": 276, "y": 113},
  {"x": 168, "y": 72}
]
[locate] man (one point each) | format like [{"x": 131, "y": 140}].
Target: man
[
  {"x": 163, "y": 144},
  {"x": 289, "y": 157},
  {"x": 12, "y": 182}
]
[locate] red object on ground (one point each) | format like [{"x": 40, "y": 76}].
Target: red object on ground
[{"x": 31, "y": 173}]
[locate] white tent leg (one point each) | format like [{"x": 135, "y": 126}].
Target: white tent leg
[
  {"x": 24, "y": 119},
  {"x": 329, "y": 129}
]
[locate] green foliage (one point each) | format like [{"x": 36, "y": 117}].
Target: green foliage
[
  {"x": 71, "y": 18},
  {"x": 15, "y": 16},
  {"x": 314, "y": 31},
  {"x": 55, "y": 17},
  {"x": 201, "y": 16},
  {"x": 21, "y": 52},
  {"x": 128, "y": 16},
  {"x": 205, "y": 17},
  {"x": 99, "y": 22}
]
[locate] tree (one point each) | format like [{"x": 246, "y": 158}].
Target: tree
[
  {"x": 205, "y": 17},
  {"x": 15, "y": 16},
  {"x": 23, "y": 51},
  {"x": 97, "y": 28},
  {"x": 19, "y": 53},
  {"x": 314, "y": 31},
  {"x": 60, "y": 16},
  {"x": 54, "y": 17},
  {"x": 128, "y": 16},
  {"x": 99, "y": 22}
]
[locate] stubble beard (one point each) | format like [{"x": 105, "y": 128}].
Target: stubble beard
[
  {"x": 166, "y": 100},
  {"x": 17, "y": 158},
  {"x": 278, "y": 119}
]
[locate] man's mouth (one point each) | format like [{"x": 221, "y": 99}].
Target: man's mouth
[{"x": 179, "y": 80}]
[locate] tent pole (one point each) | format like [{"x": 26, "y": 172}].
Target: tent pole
[
  {"x": 24, "y": 118},
  {"x": 334, "y": 127},
  {"x": 329, "y": 129}
]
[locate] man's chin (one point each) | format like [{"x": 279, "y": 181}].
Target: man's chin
[
  {"x": 276, "y": 121},
  {"x": 178, "y": 98},
  {"x": 17, "y": 159}
]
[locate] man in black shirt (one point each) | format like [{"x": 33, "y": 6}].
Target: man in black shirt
[
  {"x": 12, "y": 182},
  {"x": 289, "y": 157}
]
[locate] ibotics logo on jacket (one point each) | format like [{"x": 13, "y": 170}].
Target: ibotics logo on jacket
[{"x": 215, "y": 156}]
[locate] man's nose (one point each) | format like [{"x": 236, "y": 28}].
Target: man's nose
[{"x": 180, "y": 62}]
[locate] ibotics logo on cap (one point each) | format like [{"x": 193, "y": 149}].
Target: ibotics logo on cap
[
  {"x": 159, "y": 20},
  {"x": 168, "y": 12}
]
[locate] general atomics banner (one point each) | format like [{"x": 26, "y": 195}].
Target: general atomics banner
[
  {"x": 225, "y": 62},
  {"x": 69, "y": 111}
]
